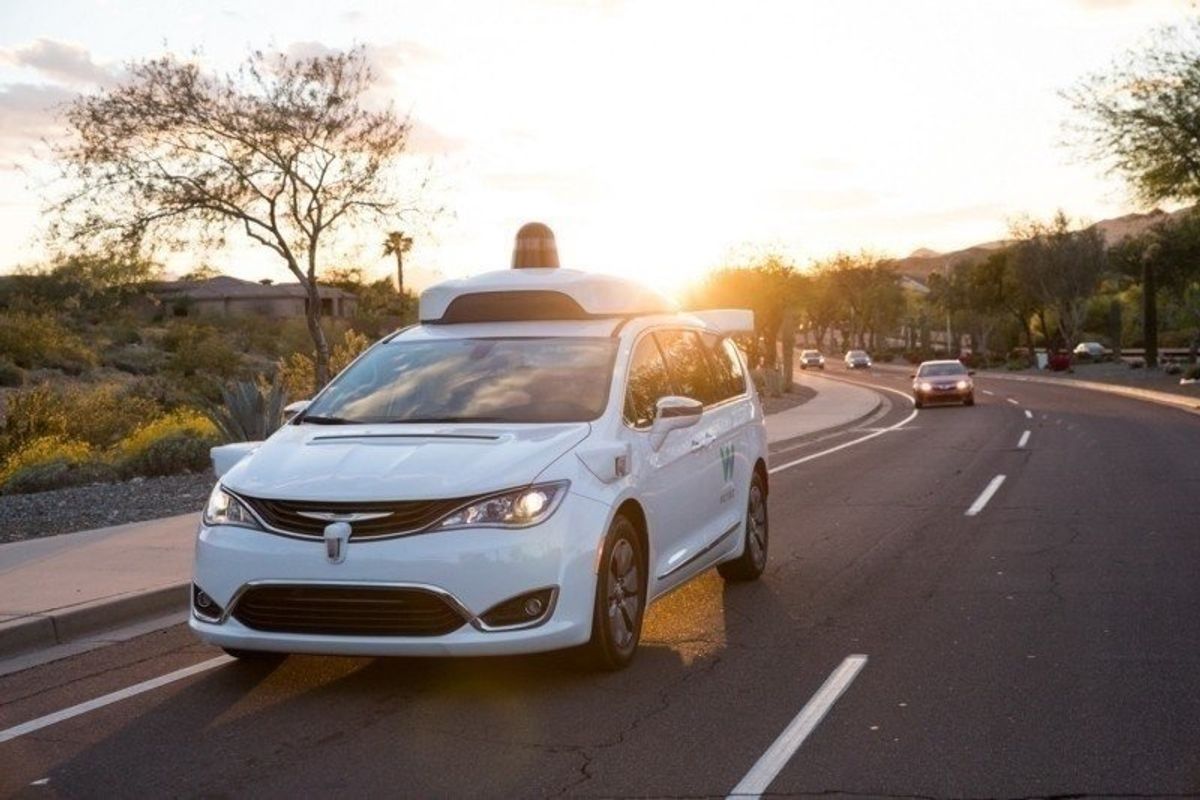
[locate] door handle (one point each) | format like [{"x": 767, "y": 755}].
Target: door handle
[{"x": 703, "y": 440}]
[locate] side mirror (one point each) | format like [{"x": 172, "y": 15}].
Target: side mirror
[
  {"x": 292, "y": 409},
  {"x": 672, "y": 413},
  {"x": 913, "y": 376}
]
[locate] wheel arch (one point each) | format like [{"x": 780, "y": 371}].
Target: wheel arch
[{"x": 760, "y": 469}]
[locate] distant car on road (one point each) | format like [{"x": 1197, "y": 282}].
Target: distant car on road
[
  {"x": 1092, "y": 350},
  {"x": 943, "y": 382},
  {"x": 857, "y": 359},
  {"x": 812, "y": 358}
]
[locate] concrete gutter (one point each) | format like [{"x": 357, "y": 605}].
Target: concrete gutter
[{"x": 1181, "y": 402}]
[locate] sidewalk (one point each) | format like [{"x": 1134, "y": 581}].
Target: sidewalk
[{"x": 64, "y": 589}]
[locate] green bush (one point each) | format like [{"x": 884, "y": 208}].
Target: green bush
[
  {"x": 11, "y": 374},
  {"x": 136, "y": 359},
  {"x": 41, "y": 340},
  {"x": 51, "y": 462},
  {"x": 98, "y": 416},
  {"x": 198, "y": 348},
  {"x": 1192, "y": 373},
  {"x": 178, "y": 442}
]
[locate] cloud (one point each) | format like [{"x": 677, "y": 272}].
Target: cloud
[
  {"x": 30, "y": 113},
  {"x": 424, "y": 138},
  {"x": 60, "y": 61}
]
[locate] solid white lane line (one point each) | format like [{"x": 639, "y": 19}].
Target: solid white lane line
[
  {"x": 983, "y": 499},
  {"x": 783, "y": 748},
  {"x": 1024, "y": 439},
  {"x": 989, "y": 393},
  {"x": 109, "y": 699},
  {"x": 1028, "y": 414},
  {"x": 1014, "y": 402},
  {"x": 859, "y": 440}
]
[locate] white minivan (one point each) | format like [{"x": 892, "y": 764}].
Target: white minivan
[{"x": 547, "y": 452}]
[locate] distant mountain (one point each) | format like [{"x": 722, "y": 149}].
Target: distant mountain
[{"x": 923, "y": 262}]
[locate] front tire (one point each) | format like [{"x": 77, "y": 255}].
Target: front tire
[
  {"x": 620, "y": 598},
  {"x": 918, "y": 402},
  {"x": 970, "y": 401},
  {"x": 753, "y": 560}
]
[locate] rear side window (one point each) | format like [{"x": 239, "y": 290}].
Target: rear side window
[
  {"x": 689, "y": 367},
  {"x": 648, "y": 381},
  {"x": 729, "y": 368}
]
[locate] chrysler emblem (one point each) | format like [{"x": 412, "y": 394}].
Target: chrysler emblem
[
  {"x": 337, "y": 516},
  {"x": 337, "y": 540}
]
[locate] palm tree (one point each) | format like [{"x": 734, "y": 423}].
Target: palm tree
[{"x": 397, "y": 244}]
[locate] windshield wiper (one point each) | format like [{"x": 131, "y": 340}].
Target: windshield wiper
[
  {"x": 428, "y": 420},
  {"x": 317, "y": 419}
]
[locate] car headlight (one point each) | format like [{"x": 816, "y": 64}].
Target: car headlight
[
  {"x": 926, "y": 386},
  {"x": 962, "y": 384},
  {"x": 225, "y": 509},
  {"x": 518, "y": 508}
]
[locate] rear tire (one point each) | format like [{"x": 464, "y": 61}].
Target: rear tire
[
  {"x": 620, "y": 598},
  {"x": 753, "y": 560}
]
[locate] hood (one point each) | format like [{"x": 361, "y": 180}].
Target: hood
[{"x": 399, "y": 462}]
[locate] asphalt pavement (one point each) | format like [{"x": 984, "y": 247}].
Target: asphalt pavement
[{"x": 1046, "y": 645}]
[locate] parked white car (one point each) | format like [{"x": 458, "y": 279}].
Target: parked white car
[{"x": 547, "y": 452}]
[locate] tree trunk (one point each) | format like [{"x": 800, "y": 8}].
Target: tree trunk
[
  {"x": 399, "y": 272},
  {"x": 788, "y": 337},
  {"x": 320, "y": 343},
  {"x": 1150, "y": 313},
  {"x": 1115, "y": 326}
]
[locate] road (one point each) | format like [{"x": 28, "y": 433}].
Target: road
[{"x": 1047, "y": 645}]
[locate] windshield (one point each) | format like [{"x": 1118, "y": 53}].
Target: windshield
[
  {"x": 941, "y": 370},
  {"x": 857, "y": 354},
  {"x": 472, "y": 380}
]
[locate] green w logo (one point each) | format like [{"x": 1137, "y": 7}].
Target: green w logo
[{"x": 727, "y": 461}]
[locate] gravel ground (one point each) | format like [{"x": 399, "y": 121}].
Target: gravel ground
[{"x": 81, "y": 508}]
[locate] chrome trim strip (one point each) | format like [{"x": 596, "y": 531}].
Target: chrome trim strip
[
  {"x": 457, "y": 605},
  {"x": 700, "y": 553}
]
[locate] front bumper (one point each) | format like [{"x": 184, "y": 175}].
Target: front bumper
[
  {"x": 954, "y": 395},
  {"x": 473, "y": 569}
]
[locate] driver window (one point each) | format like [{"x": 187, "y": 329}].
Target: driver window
[{"x": 648, "y": 381}]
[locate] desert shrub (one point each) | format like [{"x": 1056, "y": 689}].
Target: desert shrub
[
  {"x": 298, "y": 371},
  {"x": 177, "y": 442},
  {"x": 1192, "y": 373},
  {"x": 51, "y": 462},
  {"x": 41, "y": 340},
  {"x": 136, "y": 359},
  {"x": 98, "y": 416},
  {"x": 11, "y": 374},
  {"x": 200, "y": 349},
  {"x": 1172, "y": 368},
  {"x": 249, "y": 411}
]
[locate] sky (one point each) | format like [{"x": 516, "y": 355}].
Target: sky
[{"x": 658, "y": 139}]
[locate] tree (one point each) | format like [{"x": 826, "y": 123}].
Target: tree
[
  {"x": 397, "y": 244},
  {"x": 284, "y": 150},
  {"x": 1061, "y": 269},
  {"x": 1142, "y": 116}
]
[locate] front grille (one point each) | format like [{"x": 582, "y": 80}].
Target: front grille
[
  {"x": 346, "y": 611},
  {"x": 403, "y": 516}
]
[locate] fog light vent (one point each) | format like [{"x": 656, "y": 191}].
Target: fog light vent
[
  {"x": 520, "y": 611},
  {"x": 204, "y": 607}
]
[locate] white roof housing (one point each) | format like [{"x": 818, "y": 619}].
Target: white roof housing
[{"x": 512, "y": 295}]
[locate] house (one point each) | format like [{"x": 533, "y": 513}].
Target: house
[{"x": 226, "y": 295}]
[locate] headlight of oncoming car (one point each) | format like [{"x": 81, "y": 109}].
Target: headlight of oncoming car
[
  {"x": 926, "y": 386},
  {"x": 518, "y": 508},
  {"x": 225, "y": 509},
  {"x": 962, "y": 384}
]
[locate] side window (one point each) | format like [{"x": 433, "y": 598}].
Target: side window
[
  {"x": 648, "y": 381},
  {"x": 730, "y": 377},
  {"x": 690, "y": 372}
]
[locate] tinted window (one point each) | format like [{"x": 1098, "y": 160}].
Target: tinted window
[
  {"x": 688, "y": 365},
  {"x": 474, "y": 380},
  {"x": 726, "y": 366},
  {"x": 648, "y": 381},
  {"x": 941, "y": 370}
]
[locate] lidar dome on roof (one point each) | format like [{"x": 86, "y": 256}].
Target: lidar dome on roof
[{"x": 536, "y": 289}]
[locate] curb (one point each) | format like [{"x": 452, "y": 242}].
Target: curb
[
  {"x": 785, "y": 444},
  {"x": 1176, "y": 401},
  {"x": 43, "y": 630}
]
